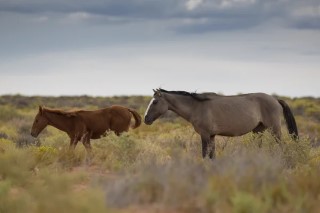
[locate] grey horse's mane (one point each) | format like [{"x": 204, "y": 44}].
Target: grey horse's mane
[{"x": 196, "y": 96}]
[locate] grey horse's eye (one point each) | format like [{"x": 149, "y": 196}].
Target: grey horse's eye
[{"x": 155, "y": 102}]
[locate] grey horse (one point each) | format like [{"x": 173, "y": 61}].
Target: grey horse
[{"x": 212, "y": 114}]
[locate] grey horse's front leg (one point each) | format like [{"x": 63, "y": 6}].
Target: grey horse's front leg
[
  {"x": 212, "y": 148},
  {"x": 205, "y": 141}
]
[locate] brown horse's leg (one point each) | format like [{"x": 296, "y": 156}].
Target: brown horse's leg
[
  {"x": 86, "y": 141},
  {"x": 87, "y": 145},
  {"x": 212, "y": 148},
  {"x": 73, "y": 143}
]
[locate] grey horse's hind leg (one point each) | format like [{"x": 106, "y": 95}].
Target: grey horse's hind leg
[
  {"x": 205, "y": 140},
  {"x": 208, "y": 141},
  {"x": 276, "y": 132},
  {"x": 259, "y": 129}
]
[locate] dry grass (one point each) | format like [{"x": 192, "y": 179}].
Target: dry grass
[
  {"x": 159, "y": 173},
  {"x": 155, "y": 168}
]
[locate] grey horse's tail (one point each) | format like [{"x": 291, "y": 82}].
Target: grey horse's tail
[{"x": 290, "y": 121}]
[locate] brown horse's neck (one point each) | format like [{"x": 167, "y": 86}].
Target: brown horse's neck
[
  {"x": 58, "y": 121},
  {"x": 182, "y": 105}
]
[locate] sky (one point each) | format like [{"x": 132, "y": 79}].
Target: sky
[{"x": 129, "y": 47}]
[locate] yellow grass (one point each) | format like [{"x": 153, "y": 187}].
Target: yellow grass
[{"x": 155, "y": 168}]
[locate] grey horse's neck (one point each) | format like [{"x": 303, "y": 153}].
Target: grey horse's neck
[{"x": 180, "y": 104}]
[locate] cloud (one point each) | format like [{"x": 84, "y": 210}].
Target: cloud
[
  {"x": 192, "y": 4},
  {"x": 232, "y": 3},
  {"x": 40, "y": 19},
  {"x": 219, "y": 14},
  {"x": 306, "y": 17},
  {"x": 79, "y": 16},
  {"x": 148, "y": 38},
  {"x": 84, "y": 73}
]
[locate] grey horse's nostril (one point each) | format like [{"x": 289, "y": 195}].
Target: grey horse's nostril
[{"x": 147, "y": 120}]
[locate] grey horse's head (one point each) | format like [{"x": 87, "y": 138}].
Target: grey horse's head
[{"x": 157, "y": 107}]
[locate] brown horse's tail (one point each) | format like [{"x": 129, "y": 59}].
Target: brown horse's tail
[
  {"x": 137, "y": 118},
  {"x": 290, "y": 121}
]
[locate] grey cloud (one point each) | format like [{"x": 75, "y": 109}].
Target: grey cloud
[
  {"x": 140, "y": 8},
  {"x": 215, "y": 24},
  {"x": 306, "y": 23},
  {"x": 218, "y": 14}
]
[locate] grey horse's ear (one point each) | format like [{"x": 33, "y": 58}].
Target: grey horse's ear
[{"x": 159, "y": 92}]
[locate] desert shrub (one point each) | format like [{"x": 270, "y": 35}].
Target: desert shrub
[
  {"x": 296, "y": 153},
  {"x": 175, "y": 183},
  {"x": 7, "y": 113},
  {"x": 240, "y": 175},
  {"x": 244, "y": 202},
  {"x": 53, "y": 137},
  {"x": 306, "y": 106},
  {"x": 34, "y": 180},
  {"x": 8, "y": 201},
  {"x": 15, "y": 165},
  {"x": 23, "y": 128},
  {"x": 45, "y": 154},
  {"x": 157, "y": 168},
  {"x": 3, "y": 135},
  {"x": 9, "y": 131},
  {"x": 309, "y": 128},
  {"x": 116, "y": 152},
  {"x": 53, "y": 192},
  {"x": 67, "y": 159}
]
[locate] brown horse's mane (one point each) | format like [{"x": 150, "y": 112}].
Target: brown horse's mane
[
  {"x": 69, "y": 113},
  {"x": 197, "y": 96}
]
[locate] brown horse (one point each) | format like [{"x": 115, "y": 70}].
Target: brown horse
[
  {"x": 85, "y": 125},
  {"x": 212, "y": 114}
]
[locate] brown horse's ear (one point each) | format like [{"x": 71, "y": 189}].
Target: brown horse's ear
[{"x": 40, "y": 109}]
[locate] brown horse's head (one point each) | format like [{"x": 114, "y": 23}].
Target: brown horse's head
[
  {"x": 157, "y": 107},
  {"x": 39, "y": 123}
]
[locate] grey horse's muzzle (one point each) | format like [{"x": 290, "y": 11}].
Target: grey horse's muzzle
[{"x": 148, "y": 120}]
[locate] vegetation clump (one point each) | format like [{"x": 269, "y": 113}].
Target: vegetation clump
[{"x": 155, "y": 168}]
